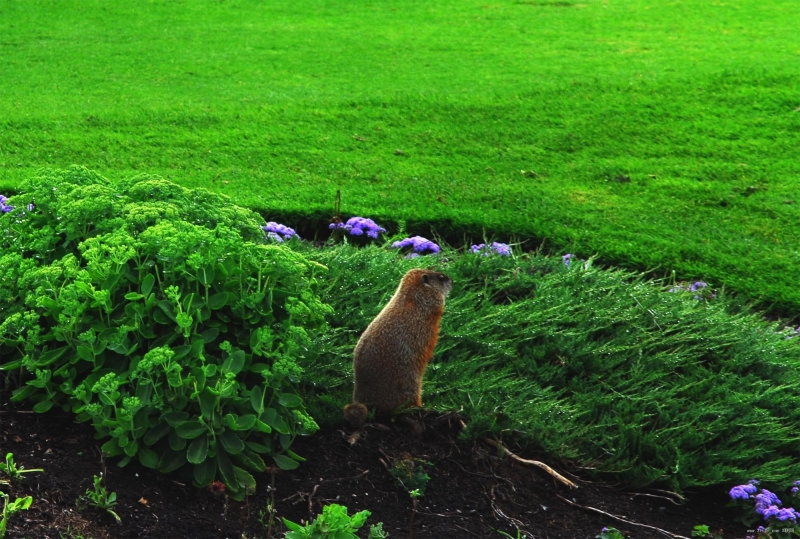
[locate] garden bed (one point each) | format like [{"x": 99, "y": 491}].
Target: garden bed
[{"x": 471, "y": 492}]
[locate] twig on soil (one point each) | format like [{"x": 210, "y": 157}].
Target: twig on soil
[
  {"x": 537, "y": 463},
  {"x": 621, "y": 519},
  {"x": 310, "y": 502},
  {"x": 511, "y": 520},
  {"x": 681, "y": 498},
  {"x": 322, "y": 482},
  {"x": 493, "y": 476},
  {"x": 670, "y": 500},
  {"x": 466, "y": 530}
]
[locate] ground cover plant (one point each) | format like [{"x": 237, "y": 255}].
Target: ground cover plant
[
  {"x": 165, "y": 316},
  {"x": 601, "y": 367},
  {"x": 658, "y": 134}
]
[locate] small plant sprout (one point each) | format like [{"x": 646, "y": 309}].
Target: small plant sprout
[
  {"x": 9, "y": 508},
  {"x": 410, "y": 472},
  {"x": 610, "y": 533},
  {"x": 419, "y": 246},
  {"x": 100, "y": 497},
  {"x": 10, "y": 469},
  {"x": 333, "y": 523},
  {"x": 376, "y": 531},
  {"x": 701, "y": 530}
]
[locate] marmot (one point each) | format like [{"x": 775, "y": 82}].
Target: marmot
[{"x": 392, "y": 354}]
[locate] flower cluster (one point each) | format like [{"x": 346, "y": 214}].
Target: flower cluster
[
  {"x": 503, "y": 249},
  {"x": 567, "y": 258},
  {"x": 5, "y": 207},
  {"x": 419, "y": 246},
  {"x": 766, "y": 503},
  {"x": 278, "y": 232},
  {"x": 698, "y": 287},
  {"x": 359, "y": 226}
]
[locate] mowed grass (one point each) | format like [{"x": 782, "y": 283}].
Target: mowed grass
[{"x": 661, "y": 135}]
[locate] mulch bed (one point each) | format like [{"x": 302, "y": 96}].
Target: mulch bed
[{"x": 472, "y": 492}]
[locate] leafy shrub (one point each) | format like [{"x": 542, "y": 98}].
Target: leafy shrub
[{"x": 162, "y": 315}]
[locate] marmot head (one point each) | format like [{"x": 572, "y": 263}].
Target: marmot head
[{"x": 427, "y": 286}]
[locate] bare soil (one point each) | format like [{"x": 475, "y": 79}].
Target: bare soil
[{"x": 472, "y": 491}]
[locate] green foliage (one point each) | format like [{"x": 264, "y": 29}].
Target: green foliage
[
  {"x": 10, "y": 469},
  {"x": 701, "y": 530},
  {"x": 610, "y": 533},
  {"x": 10, "y": 508},
  {"x": 333, "y": 523},
  {"x": 376, "y": 531},
  {"x": 411, "y": 474},
  {"x": 597, "y": 366},
  {"x": 99, "y": 496},
  {"x": 161, "y": 315}
]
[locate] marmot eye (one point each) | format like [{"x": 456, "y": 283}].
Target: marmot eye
[{"x": 425, "y": 279}]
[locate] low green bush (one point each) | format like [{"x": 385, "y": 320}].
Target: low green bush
[
  {"x": 601, "y": 367},
  {"x": 163, "y": 316}
]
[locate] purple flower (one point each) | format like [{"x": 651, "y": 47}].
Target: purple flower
[
  {"x": 749, "y": 488},
  {"x": 566, "y": 258},
  {"x": 795, "y": 490},
  {"x": 418, "y": 244},
  {"x": 279, "y": 232},
  {"x": 769, "y": 512},
  {"x": 797, "y": 483},
  {"x": 787, "y": 514},
  {"x": 767, "y": 503},
  {"x": 502, "y": 249},
  {"x": 740, "y": 492},
  {"x": 5, "y": 208},
  {"x": 359, "y": 226},
  {"x": 761, "y": 529},
  {"x": 336, "y": 226},
  {"x": 699, "y": 285}
]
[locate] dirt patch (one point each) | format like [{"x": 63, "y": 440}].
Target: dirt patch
[{"x": 472, "y": 491}]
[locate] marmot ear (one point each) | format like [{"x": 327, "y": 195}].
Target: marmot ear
[{"x": 425, "y": 279}]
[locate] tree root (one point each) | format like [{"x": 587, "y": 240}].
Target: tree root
[
  {"x": 541, "y": 465},
  {"x": 621, "y": 519}
]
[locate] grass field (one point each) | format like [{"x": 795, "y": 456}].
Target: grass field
[{"x": 658, "y": 134}]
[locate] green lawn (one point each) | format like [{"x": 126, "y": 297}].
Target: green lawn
[{"x": 658, "y": 134}]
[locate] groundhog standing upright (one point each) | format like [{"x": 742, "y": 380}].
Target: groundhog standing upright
[{"x": 392, "y": 354}]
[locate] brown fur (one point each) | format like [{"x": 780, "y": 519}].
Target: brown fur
[{"x": 392, "y": 354}]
